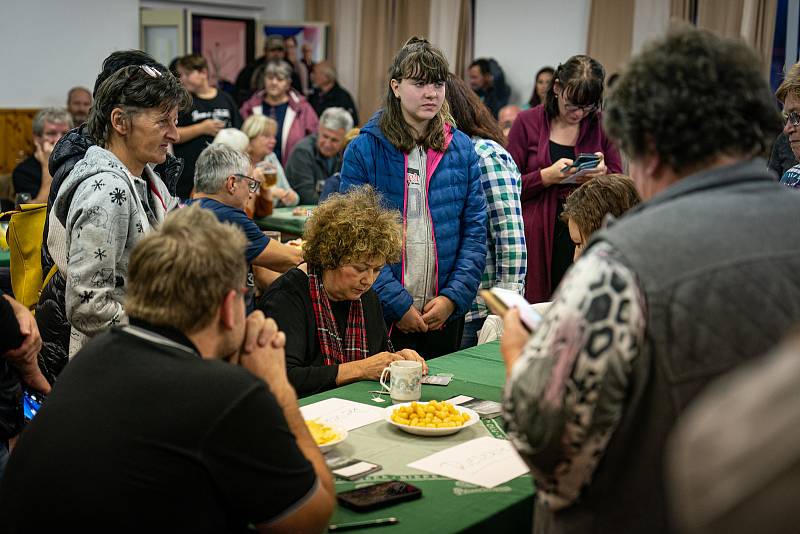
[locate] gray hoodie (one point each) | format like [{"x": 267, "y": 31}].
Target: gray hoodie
[{"x": 106, "y": 211}]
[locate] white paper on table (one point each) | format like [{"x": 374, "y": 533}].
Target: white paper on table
[
  {"x": 343, "y": 413},
  {"x": 485, "y": 462}
]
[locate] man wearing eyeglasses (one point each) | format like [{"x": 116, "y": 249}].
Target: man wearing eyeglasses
[
  {"x": 789, "y": 93},
  {"x": 223, "y": 185}
]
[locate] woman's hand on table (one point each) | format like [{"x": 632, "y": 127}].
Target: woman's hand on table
[
  {"x": 557, "y": 172},
  {"x": 411, "y": 322},
  {"x": 513, "y": 339},
  {"x": 413, "y": 356},
  {"x": 437, "y": 311},
  {"x": 368, "y": 368}
]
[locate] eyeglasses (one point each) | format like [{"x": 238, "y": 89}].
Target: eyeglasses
[
  {"x": 252, "y": 185},
  {"x": 571, "y": 108},
  {"x": 793, "y": 118}
]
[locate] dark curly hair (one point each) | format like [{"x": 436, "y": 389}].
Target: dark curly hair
[
  {"x": 691, "y": 97},
  {"x": 420, "y": 60},
  {"x": 351, "y": 227},
  {"x": 132, "y": 89}
]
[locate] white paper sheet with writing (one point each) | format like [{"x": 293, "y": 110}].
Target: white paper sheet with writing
[
  {"x": 343, "y": 413},
  {"x": 485, "y": 462}
]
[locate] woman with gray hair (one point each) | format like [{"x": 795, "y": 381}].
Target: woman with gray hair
[
  {"x": 223, "y": 185},
  {"x": 294, "y": 115},
  {"x": 112, "y": 197}
]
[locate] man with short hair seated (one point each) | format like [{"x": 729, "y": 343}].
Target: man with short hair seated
[
  {"x": 159, "y": 426},
  {"x": 317, "y": 156},
  {"x": 32, "y": 176},
  {"x": 222, "y": 184}
]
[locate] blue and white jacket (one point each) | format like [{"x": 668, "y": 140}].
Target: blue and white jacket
[{"x": 457, "y": 207}]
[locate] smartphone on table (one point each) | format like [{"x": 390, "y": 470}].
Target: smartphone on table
[{"x": 378, "y": 495}]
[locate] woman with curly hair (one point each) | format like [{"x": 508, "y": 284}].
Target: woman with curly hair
[
  {"x": 412, "y": 154},
  {"x": 332, "y": 317}
]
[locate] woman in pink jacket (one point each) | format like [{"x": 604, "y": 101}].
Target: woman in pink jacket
[{"x": 294, "y": 115}]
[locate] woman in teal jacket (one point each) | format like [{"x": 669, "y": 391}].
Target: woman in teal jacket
[{"x": 426, "y": 169}]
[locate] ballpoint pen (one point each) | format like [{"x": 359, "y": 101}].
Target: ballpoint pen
[{"x": 363, "y": 524}]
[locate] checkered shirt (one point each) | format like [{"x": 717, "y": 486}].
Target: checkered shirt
[{"x": 506, "y": 256}]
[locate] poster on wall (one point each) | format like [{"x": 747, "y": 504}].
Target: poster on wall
[
  {"x": 310, "y": 35},
  {"x": 226, "y": 43}
]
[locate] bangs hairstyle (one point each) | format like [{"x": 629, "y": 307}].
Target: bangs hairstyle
[
  {"x": 351, "y": 227},
  {"x": 471, "y": 115},
  {"x": 581, "y": 79},
  {"x": 134, "y": 89},
  {"x": 179, "y": 274},
  {"x": 418, "y": 60}
]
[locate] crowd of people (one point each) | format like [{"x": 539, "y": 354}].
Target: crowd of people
[{"x": 173, "y": 338}]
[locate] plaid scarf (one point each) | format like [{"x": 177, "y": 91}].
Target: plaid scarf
[{"x": 330, "y": 341}]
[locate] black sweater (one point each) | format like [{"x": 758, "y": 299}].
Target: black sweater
[{"x": 288, "y": 302}]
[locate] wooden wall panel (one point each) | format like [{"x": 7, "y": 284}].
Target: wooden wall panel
[{"x": 16, "y": 137}]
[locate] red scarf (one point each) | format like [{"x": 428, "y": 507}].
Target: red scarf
[{"x": 330, "y": 341}]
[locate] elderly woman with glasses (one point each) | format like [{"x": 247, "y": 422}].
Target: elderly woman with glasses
[
  {"x": 112, "y": 197},
  {"x": 294, "y": 115},
  {"x": 544, "y": 141},
  {"x": 332, "y": 317},
  {"x": 222, "y": 184}
]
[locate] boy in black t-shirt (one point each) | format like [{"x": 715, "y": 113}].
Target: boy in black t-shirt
[{"x": 212, "y": 110}]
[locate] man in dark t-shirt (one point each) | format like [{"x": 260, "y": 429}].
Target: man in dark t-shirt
[
  {"x": 211, "y": 111},
  {"x": 151, "y": 429}
]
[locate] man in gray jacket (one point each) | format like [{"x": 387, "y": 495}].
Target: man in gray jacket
[
  {"x": 317, "y": 156},
  {"x": 700, "y": 277}
]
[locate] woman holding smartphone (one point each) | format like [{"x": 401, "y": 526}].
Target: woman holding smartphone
[
  {"x": 544, "y": 142},
  {"x": 423, "y": 167}
]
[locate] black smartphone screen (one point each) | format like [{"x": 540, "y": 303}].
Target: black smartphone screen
[{"x": 379, "y": 495}]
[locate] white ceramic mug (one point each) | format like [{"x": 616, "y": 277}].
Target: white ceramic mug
[{"x": 405, "y": 381}]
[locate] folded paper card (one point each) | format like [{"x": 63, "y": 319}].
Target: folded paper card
[
  {"x": 486, "y": 462},
  {"x": 343, "y": 413}
]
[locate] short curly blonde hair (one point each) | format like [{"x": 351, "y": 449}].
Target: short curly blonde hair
[{"x": 351, "y": 227}]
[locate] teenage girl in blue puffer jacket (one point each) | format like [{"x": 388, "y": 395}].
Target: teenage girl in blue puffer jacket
[{"x": 413, "y": 155}]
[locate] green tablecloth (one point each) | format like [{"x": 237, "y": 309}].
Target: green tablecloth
[
  {"x": 5, "y": 258},
  {"x": 282, "y": 220},
  {"x": 446, "y": 505}
]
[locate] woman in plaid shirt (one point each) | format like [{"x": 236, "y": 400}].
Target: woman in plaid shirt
[{"x": 506, "y": 256}]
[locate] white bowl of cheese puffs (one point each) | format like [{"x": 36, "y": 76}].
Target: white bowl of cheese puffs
[
  {"x": 325, "y": 436},
  {"x": 432, "y": 418}
]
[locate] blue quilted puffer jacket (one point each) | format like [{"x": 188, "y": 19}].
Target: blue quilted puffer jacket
[{"x": 457, "y": 205}]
